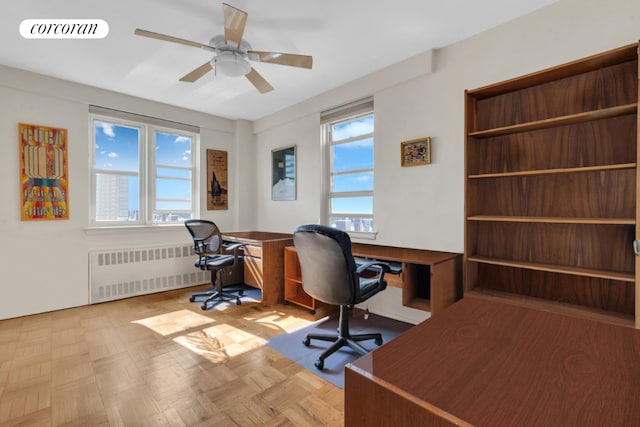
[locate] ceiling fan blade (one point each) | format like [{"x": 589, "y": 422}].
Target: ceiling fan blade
[
  {"x": 258, "y": 81},
  {"x": 293, "y": 60},
  {"x": 172, "y": 39},
  {"x": 197, "y": 73},
  {"x": 234, "y": 22}
]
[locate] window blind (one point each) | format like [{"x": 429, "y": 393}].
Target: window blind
[
  {"x": 348, "y": 110},
  {"x": 154, "y": 121}
]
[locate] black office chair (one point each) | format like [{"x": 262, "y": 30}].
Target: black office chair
[
  {"x": 330, "y": 275},
  {"x": 207, "y": 244}
]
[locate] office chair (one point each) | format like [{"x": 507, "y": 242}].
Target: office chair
[
  {"x": 207, "y": 244},
  {"x": 330, "y": 275}
]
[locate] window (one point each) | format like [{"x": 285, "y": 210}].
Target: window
[
  {"x": 349, "y": 143},
  {"x": 142, "y": 173}
]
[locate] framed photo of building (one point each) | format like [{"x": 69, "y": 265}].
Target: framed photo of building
[
  {"x": 415, "y": 152},
  {"x": 283, "y": 173},
  {"x": 217, "y": 180},
  {"x": 44, "y": 185}
]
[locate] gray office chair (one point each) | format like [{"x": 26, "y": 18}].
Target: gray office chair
[
  {"x": 330, "y": 275},
  {"x": 207, "y": 244}
]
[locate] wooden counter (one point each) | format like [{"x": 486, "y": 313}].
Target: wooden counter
[{"x": 488, "y": 363}]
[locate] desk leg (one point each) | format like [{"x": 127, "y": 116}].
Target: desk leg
[{"x": 446, "y": 284}]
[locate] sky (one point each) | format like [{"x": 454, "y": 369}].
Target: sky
[
  {"x": 351, "y": 156},
  {"x": 118, "y": 149}
]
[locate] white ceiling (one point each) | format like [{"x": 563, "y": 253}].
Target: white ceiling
[{"x": 347, "y": 39}]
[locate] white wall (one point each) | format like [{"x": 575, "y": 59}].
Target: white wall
[
  {"x": 44, "y": 264},
  {"x": 423, "y": 207}
]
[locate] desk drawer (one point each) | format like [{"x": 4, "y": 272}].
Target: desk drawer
[
  {"x": 253, "y": 271},
  {"x": 253, "y": 251}
]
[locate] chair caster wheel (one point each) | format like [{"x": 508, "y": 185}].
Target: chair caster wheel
[
  {"x": 378, "y": 341},
  {"x": 319, "y": 364},
  {"x": 238, "y": 302},
  {"x": 192, "y": 299},
  {"x": 203, "y": 306},
  {"x": 313, "y": 311},
  {"x": 306, "y": 342}
]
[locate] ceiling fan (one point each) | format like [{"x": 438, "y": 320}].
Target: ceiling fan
[{"x": 233, "y": 53}]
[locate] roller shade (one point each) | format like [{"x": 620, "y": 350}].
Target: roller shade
[
  {"x": 349, "y": 110},
  {"x": 154, "y": 121}
]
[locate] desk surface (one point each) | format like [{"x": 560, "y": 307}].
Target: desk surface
[
  {"x": 392, "y": 253},
  {"x": 255, "y": 236},
  {"x": 495, "y": 364}
]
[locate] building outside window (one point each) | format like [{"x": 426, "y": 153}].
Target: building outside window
[
  {"x": 349, "y": 143},
  {"x": 143, "y": 171}
]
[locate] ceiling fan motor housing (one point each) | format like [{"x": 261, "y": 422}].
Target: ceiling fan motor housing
[
  {"x": 231, "y": 64},
  {"x": 231, "y": 59}
]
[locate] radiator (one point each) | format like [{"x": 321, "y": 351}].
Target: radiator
[{"x": 123, "y": 273}]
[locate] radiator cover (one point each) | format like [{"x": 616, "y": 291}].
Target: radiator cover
[{"x": 127, "y": 272}]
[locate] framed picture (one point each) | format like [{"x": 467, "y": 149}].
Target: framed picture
[
  {"x": 283, "y": 173},
  {"x": 44, "y": 185},
  {"x": 217, "y": 186},
  {"x": 415, "y": 152}
]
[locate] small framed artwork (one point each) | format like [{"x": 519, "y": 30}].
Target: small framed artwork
[
  {"x": 415, "y": 152},
  {"x": 283, "y": 173}
]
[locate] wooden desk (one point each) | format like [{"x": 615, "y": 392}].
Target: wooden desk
[
  {"x": 488, "y": 363},
  {"x": 430, "y": 280},
  {"x": 263, "y": 261}
]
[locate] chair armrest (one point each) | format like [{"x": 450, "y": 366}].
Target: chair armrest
[
  {"x": 235, "y": 247},
  {"x": 199, "y": 246},
  {"x": 378, "y": 266}
]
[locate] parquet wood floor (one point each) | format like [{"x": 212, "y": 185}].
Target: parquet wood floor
[{"x": 158, "y": 360}]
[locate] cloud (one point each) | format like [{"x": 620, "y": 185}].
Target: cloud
[
  {"x": 353, "y": 128},
  {"x": 112, "y": 155},
  {"x": 182, "y": 139},
  {"x": 107, "y": 129}
]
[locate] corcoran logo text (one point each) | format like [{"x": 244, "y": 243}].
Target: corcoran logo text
[{"x": 64, "y": 28}]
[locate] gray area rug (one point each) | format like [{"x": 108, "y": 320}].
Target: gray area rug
[{"x": 290, "y": 344}]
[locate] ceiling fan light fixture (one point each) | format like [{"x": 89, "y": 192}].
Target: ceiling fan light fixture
[{"x": 231, "y": 64}]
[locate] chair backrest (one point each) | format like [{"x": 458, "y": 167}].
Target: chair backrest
[
  {"x": 327, "y": 264},
  {"x": 207, "y": 238}
]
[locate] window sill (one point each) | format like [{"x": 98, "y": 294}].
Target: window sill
[{"x": 122, "y": 229}]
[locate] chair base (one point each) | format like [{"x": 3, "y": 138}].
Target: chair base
[
  {"x": 342, "y": 339},
  {"x": 216, "y": 296}
]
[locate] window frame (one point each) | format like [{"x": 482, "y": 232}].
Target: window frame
[
  {"x": 363, "y": 109},
  {"x": 147, "y": 172}
]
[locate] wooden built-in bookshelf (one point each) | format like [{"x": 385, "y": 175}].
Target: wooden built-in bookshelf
[{"x": 551, "y": 188}]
